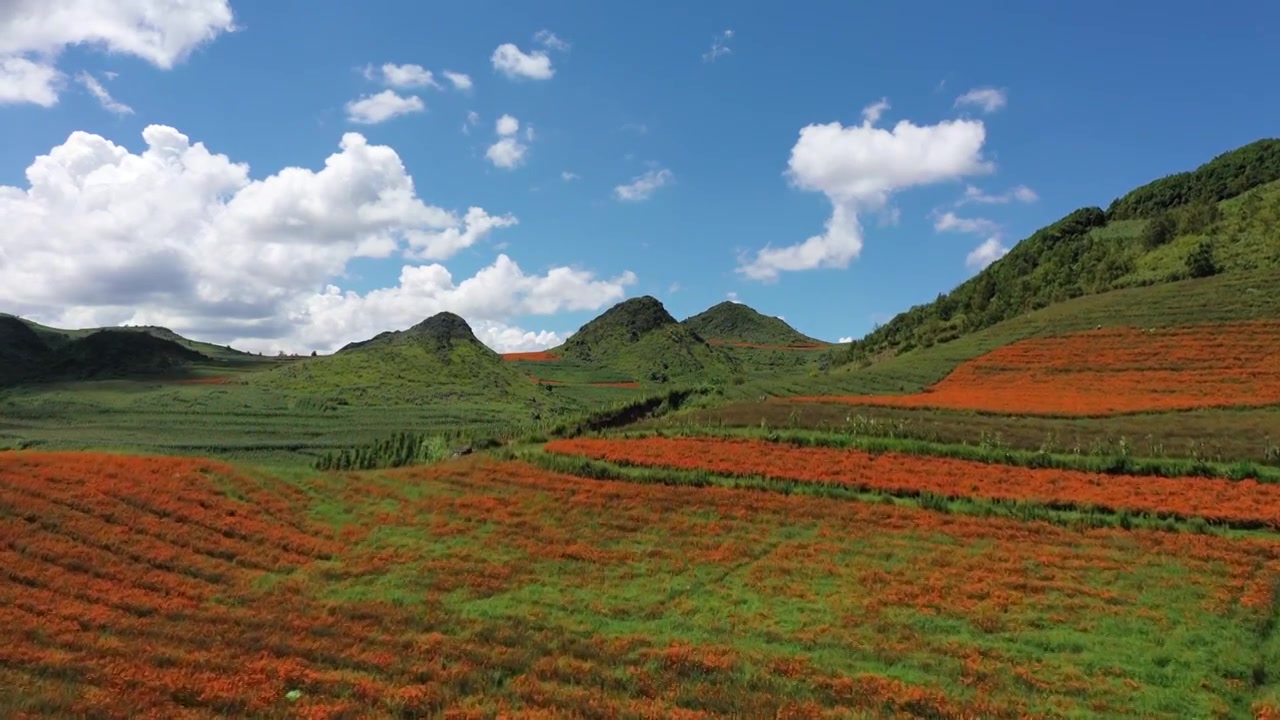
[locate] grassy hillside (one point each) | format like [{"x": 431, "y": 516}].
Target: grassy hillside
[
  {"x": 436, "y": 361},
  {"x": 1223, "y": 298},
  {"x": 732, "y": 322},
  {"x": 640, "y": 339},
  {"x": 1223, "y": 217}
]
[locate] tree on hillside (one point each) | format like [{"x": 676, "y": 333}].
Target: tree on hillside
[
  {"x": 1160, "y": 230},
  {"x": 1200, "y": 262},
  {"x": 1197, "y": 218}
]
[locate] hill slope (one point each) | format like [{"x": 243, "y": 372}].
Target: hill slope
[
  {"x": 438, "y": 360},
  {"x": 27, "y": 356},
  {"x": 1226, "y": 298},
  {"x": 640, "y": 338},
  {"x": 56, "y": 338},
  {"x": 732, "y": 322},
  {"x": 1224, "y": 217},
  {"x": 22, "y": 352}
]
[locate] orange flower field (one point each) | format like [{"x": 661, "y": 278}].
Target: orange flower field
[
  {"x": 1244, "y": 503},
  {"x": 1109, "y": 371},
  {"x": 169, "y": 588},
  {"x": 538, "y": 356}
]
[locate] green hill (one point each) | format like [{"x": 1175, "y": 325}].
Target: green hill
[
  {"x": 56, "y": 338},
  {"x": 1222, "y": 218},
  {"x": 119, "y": 354},
  {"x": 640, "y": 339},
  {"x": 31, "y": 353},
  {"x": 22, "y": 353},
  {"x": 731, "y": 322},
  {"x": 438, "y": 360}
]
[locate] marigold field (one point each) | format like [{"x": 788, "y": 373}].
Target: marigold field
[
  {"x": 174, "y": 588},
  {"x": 1109, "y": 371}
]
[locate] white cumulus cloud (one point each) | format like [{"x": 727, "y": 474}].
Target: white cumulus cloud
[
  {"x": 858, "y": 168},
  {"x": 407, "y": 76},
  {"x": 33, "y": 33},
  {"x": 989, "y": 251},
  {"x": 508, "y": 152},
  {"x": 989, "y": 99},
  {"x": 443, "y": 244},
  {"x": 374, "y": 109},
  {"x": 181, "y": 236},
  {"x": 845, "y": 339},
  {"x": 643, "y": 186},
  {"x": 461, "y": 81},
  {"x": 515, "y": 63},
  {"x": 26, "y": 81}
]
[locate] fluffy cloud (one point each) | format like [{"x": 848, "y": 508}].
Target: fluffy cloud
[
  {"x": 460, "y": 81},
  {"x": 719, "y": 47},
  {"x": 508, "y": 152},
  {"x": 989, "y": 251},
  {"x": 34, "y": 32},
  {"x": 473, "y": 119},
  {"x": 858, "y": 168},
  {"x": 508, "y": 125},
  {"x": 845, "y": 339},
  {"x": 24, "y": 81},
  {"x": 405, "y": 76},
  {"x": 441, "y": 245},
  {"x": 180, "y": 236},
  {"x": 643, "y": 186},
  {"x": 374, "y": 109},
  {"x": 1021, "y": 193},
  {"x": 95, "y": 89},
  {"x": 988, "y": 99},
  {"x": 514, "y": 63}
]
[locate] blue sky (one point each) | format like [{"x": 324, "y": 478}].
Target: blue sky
[{"x": 1071, "y": 104}]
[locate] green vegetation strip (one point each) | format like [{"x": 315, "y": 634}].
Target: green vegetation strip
[
  {"x": 1064, "y": 514},
  {"x": 1104, "y": 464}
]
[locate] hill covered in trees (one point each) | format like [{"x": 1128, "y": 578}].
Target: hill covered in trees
[
  {"x": 733, "y": 322},
  {"x": 1223, "y": 217},
  {"x": 640, "y": 338}
]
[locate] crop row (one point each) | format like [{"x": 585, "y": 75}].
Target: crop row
[{"x": 1244, "y": 503}]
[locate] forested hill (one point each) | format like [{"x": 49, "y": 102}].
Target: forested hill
[{"x": 1221, "y": 217}]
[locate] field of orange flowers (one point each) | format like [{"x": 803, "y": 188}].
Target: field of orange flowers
[
  {"x": 147, "y": 587},
  {"x": 1110, "y": 371},
  {"x": 1243, "y": 503}
]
